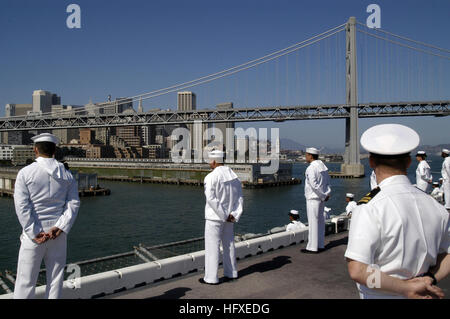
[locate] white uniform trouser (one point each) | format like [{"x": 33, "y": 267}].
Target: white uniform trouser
[
  {"x": 53, "y": 252},
  {"x": 316, "y": 224},
  {"x": 424, "y": 186},
  {"x": 446, "y": 188},
  {"x": 215, "y": 233}
]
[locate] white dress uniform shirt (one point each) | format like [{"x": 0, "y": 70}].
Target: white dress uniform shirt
[
  {"x": 317, "y": 181},
  {"x": 423, "y": 176},
  {"x": 446, "y": 183},
  {"x": 223, "y": 192},
  {"x": 317, "y": 188},
  {"x": 350, "y": 207},
  {"x": 438, "y": 195},
  {"x": 295, "y": 225},
  {"x": 401, "y": 230},
  {"x": 45, "y": 196}
]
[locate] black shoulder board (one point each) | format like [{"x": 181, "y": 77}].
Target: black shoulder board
[{"x": 369, "y": 196}]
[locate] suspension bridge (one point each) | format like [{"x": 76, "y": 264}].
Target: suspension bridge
[{"x": 386, "y": 75}]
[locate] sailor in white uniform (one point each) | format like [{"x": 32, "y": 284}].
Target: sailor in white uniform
[
  {"x": 423, "y": 173},
  {"x": 446, "y": 177},
  {"x": 317, "y": 192},
  {"x": 295, "y": 224},
  {"x": 224, "y": 206},
  {"x": 351, "y": 204},
  {"x": 326, "y": 212},
  {"x": 437, "y": 194},
  {"x": 46, "y": 201},
  {"x": 400, "y": 233},
  {"x": 373, "y": 180}
]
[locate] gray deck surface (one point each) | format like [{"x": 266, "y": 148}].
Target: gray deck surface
[{"x": 282, "y": 274}]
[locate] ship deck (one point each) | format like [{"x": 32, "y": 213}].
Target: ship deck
[{"x": 282, "y": 274}]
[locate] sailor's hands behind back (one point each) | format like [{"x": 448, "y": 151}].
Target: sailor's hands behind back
[
  {"x": 422, "y": 288},
  {"x": 41, "y": 238},
  {"x": 231, "y": 219},
  {"x": 54, "y": 233}
]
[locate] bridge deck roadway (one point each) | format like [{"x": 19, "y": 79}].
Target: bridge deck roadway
[{"x": 282, "y": 274}]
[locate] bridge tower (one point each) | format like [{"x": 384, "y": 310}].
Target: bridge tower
[{"x": 352, "y": 165}]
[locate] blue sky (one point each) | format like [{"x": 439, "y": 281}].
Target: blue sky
[{"x": 125, "y": 48}]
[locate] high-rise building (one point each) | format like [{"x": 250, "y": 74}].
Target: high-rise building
[
  {"x": 17, "y": 109},
  {"x": 17, "y": 138},
  {"x": 103, "y": 135},
  {"x": 227, "y": 129},
  {"x": 187, "y": 101},
  {"x": 131, "y": 135},
  {"x": 122, "y": 104},
  {"x": 93, "y": 109},
  {"x": 148, "y": 134},
  {"x": 67, "y": 135},
  {"x": 56, "y": 100},
  {"x": 66, "y": 110},
  {"x": 87, "y": 136},
  {"x": 42, "y": 101}
]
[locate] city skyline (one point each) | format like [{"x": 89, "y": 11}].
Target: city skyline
[{"x": 80, "y": 65}]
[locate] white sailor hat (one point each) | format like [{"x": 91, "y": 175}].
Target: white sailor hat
[
  {"x": 435, "y": 183},
  {"x": 349, "y": 195},
  {"x": 45, "y": 137},
  {"x": 293, "y": 212},
  {"x": 216, "y": 155},
  {"x": 312, "y": 150},
  {"x": 446, "y": 151},
  {"x": 441, "y": 179},
  {"x": 423, "y": 153},
  {"x": 327, "y": 209},
  {"x": 390, "y": 139}
]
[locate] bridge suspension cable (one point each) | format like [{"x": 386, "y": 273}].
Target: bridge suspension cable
[
  {"x": 406, "y": 39},
  {"x": 404, "y": 45},
  {"x": 211, "y": 77},
  {"x": 409, "y": 43}
]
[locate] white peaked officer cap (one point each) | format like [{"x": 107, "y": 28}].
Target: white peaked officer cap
[
  {"x": 446, "y": 151},
  {"x": 294, "y": 212},
  {"x": 45, "y": 137},
  {"x": 216, "y": 155},
  {"x": 390, "y": 139},
  {"x": 312, "y": 150},
  {"x": 421, "y": 153},
  {"x": 349, "y": 195}
]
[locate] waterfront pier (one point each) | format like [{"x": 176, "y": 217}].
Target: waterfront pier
[{"x": 87, "y": 183}]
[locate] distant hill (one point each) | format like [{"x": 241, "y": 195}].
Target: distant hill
[{"x": 288, "y": 144}]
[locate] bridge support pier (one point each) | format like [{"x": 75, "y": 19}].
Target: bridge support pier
[{"x": 352, "y": 165}]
